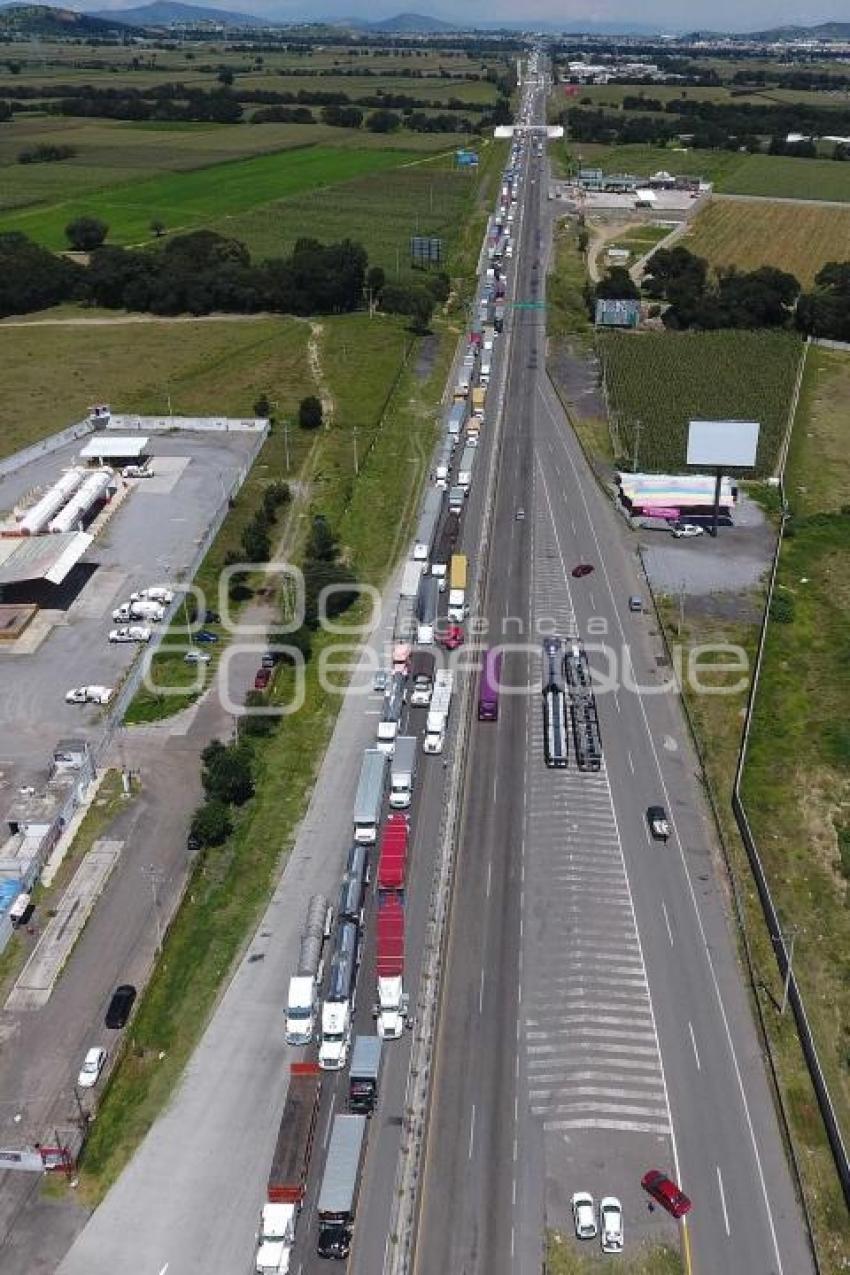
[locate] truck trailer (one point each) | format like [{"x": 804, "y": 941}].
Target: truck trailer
[
  {"x": 457, "y": 588},
  {"x": 438, "y": 713},
  {"x": 363, "y": 1074},
  {"x": 370, "y": 795},
  {"x": 426, "y": 529},
  {"x": 340, "y": 1186},
  {"x": 302, "y": 1000},
  {"x": 403, "y": 772}
]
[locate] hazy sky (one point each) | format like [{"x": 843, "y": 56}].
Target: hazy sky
[{"x": 667, "y": 15}]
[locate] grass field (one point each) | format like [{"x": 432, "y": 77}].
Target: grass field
[
  {"x": 380, "y": 210},
  {"x": 50, "y": 375},
  {"x": 798, "y": 239},
  {"x": 566, "y": 1257},
  {"x": 665, "y": 379},
  {"x": 185, "y": 201},
  {"x": 770, "y": 176}
]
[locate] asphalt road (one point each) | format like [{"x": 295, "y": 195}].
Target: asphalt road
[{"x": 594, "y": 1021}]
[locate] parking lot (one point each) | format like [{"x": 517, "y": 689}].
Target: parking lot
[{"x": 152, "y": 538}]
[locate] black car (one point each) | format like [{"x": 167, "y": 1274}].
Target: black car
[
  {"x": 206, "y": 636},
  {"x": 212, "y": 617},
  {"x": 120, "y": 1005}
]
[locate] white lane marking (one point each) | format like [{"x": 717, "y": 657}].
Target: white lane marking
[
  {"x": 694, "y": 1044},
  {"x": 616, "y": 701},
  {"x": 592, "y": 603},
  {"x": 723, "y": 1201},
  {"x": 481, "y": 992},
  {"x": 471, "y": 1132},
  {"x": 667, "y": 922},
  {"x": 164, "y": 1269},
  {"x": 489, "y": 876},
  {"x": 328, "y": 1126},
  {"x": 671, "y": 817},
  {"x": 631, "y": 763}
]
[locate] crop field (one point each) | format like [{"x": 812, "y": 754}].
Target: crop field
[
  {"x": 789, "y": 237},
  {"x": 770, "y": 176},
  {"x": 185, "y": 201},
  {"x": 50, "y": 373},
  {"x": 380, "y": 210},
  {"x": 665, "y": 379}
]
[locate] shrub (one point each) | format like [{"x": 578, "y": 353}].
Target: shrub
[{"x": 211, "y": 824}]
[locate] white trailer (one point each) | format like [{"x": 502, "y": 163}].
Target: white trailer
[{"x": 438, "y": 714}]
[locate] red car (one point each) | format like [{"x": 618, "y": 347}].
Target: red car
[
  {"x": 262, "y": 679},
  {"x": 665, "y": 1191},
  {"x": 452, "y": 638},
  {"x": 583, "y": 569}
]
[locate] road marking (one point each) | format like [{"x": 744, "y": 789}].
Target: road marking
[
  {"x": 686, "y": 1246},
  {"x": 696, "y": 1054},
  {"x": 481, "y": 992},
  {"x": 667, "y": 922},
  {"x": 489, "y": 876},
  {"x": 328, "y": 1126},
  {"x": 631, "y": 763},
  {"x": 164, "y": 1269},
  {"x": 471, "y": 1132},
  {"x": 494, "y": 787},
  {"x": 723, "y": 1201},
  {"x": 616, "y": 701}
]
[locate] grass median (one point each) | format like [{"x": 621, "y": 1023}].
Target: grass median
[{"x": 563, "y": 1257}]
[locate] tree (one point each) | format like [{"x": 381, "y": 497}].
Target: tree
[
  {"x": 226, "y": 774},
  {"x": 310, "y": 414},
  {"x": 256, "y": 543},
  {"x": 617, "y": 285},
  {"x": 262, "y": 407},
  {"x": 32, "y": 278},
  {"x": 375, "y": 280},
  {"x": 157, "y": 228},
  {"x": 422, "y": 308},
  {"x": 84, "y": 234},
  {"x": 383, "y": 121},
  {"x": 211, "y": 824},
  {"x": 225, "y": 76}
]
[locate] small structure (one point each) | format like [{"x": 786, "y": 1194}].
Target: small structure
[
  {"x": 116, "y": 449},
  {"x": 611, "y": 313},
  {"x": 645, "y": 198},
  {"x": 41, "y": 558}
]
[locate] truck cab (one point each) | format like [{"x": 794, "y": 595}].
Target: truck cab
[
  {"x": 300, "y": 1009},
  {"x": 336, "y": 1035},
  {"x": 275, "y": 1239},
  {"x": 435, "y": 733}
]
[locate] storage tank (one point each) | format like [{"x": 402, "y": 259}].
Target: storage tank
[
  {"x": 92, "y": 490},
  {"x": 37, "y": 518}
]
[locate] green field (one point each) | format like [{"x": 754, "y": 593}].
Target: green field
[
  {"x": 379, "y": 210},
  {"x": 665, "y": 379},
  {"x": 50, "y": 374},
  {"x": 185, "y": 201},
  {"x": 800, "y": 239},
  {"x": 772, "y": 176}
]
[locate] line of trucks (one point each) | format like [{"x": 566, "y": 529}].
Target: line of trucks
[{"x": 322, "y": 1008}]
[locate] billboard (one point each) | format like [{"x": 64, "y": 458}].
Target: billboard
[
  {"x": 723, "y": 444},
  {"x": 617, "y": 314},
  {"x": 425, "y": 250},
  {"x": 466, "y": 159}
]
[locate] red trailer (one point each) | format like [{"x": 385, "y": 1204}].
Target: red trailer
[
  {"x": 390, "y": 955},
  {"x": 291, "y": 1159},
  {"x": 392, "y": 864}
]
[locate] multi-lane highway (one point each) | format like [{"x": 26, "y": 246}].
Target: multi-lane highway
[{"x": 594, "y": 1021}]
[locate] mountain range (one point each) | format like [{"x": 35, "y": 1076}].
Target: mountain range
[
  {"x": 162, "y": 13},
  {"x": 48, "y": 22}
]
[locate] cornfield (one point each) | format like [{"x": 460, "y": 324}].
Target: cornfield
[{"x": 656, "y": 382}]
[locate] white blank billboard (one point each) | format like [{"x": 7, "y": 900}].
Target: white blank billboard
[{"x": 723, "y": 444}]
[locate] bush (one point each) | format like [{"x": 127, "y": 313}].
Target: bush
[
  {"x": 227, "y": 772},
  {"x": 310, "y": 414},
  {"x": 46, "y": 154},
  {"x": 256, "y": 726},
  {"x": 782, "y": 608},
  {"x": 211, "y": 824},
  {"x": 86, "y": 233}
]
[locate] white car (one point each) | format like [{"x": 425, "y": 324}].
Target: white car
[
  {"x": 196, "y": 657},
  {"x": 684, "y": 530},
  {"x": 137, "y": 471},
  {"x": 584, "y": 1215},
  {"x": 91, "y": 1068},
  {"x": 89, "y": 695},
  {"x": 611, "y": 1224},
  {"x": 131, "y": 633}
]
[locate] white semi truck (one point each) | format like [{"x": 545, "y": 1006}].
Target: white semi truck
[{"x": 438, "y": 713}]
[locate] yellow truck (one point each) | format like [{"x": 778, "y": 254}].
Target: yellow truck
[{"x": 478, "y": 396}]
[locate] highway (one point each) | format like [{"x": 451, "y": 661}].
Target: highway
[{"x": 594, "y": 1021}]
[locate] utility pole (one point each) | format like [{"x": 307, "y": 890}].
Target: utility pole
[
  {"x": 286, "y": 442},
  {"x": 681, "y": 607},
  {"x": 356, "y": 465}
]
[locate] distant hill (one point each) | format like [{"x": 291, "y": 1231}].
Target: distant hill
[
  {"x": 162, "y": 13},
  {"x": 45, "y": 21},
  {"x": 415, "y": 23},
  {"x": 824, "y": 31}
]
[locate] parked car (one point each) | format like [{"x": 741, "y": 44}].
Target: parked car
[
  {"x": 130, "y": 633},
  {"x": 91, "y": 1068},
  {"x": 665, "y": 1191},
  {"x": 584, "y": 1218},
  {"x": 635, "y": 603},
  {"x": 262, "y": 678},
  {"x": 205, "y": 636},
  {"x": 212, "y": 617},
  {"x": 155, "y": 593},
  {"x": 583, "y": 569},
  {"x": 137, "y": 471},
  {"x": 380, "y": 681},
  {"x": 120, "y": 1006},
  {"x": 611, "y": 1224},
  {"x": 685, "y": 530},
  {"x": 656, "y": 817},
  {"x": 89, "y": 695},
  {"x": 196, "y": 657}
]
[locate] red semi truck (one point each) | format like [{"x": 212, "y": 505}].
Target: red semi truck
[{"x": 392, "y": 1006}]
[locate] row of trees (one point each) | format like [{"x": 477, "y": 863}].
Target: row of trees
[{"x": 729, "y": 298}]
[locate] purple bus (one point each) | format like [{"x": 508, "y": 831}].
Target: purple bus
[{"x": 488, "y": 687}]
